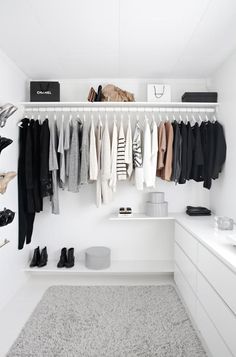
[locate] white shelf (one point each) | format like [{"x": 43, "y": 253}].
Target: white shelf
[
  {"x": 140, "y": 217},
  {"x": 118, "y": 104},
  {"x": 117, "y": 267}
]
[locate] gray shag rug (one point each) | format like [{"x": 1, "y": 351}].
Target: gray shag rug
[{"x": 108, "y": 321}]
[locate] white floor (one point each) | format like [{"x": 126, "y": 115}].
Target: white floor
[{"x": 18, "y": 310}]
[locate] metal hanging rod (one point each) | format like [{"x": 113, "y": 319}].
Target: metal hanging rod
[
  {"x": 121, "y": 109},
  {"x": 118, "y": 105}
]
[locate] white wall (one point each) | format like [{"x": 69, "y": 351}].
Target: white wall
[
  {"x": 81, "y": 224},
  {"x": 12, "y": 89},
  {"x": 223, "y": 193}
]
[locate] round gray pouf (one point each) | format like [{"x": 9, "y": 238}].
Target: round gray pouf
[{"x": 97, "y": 258}]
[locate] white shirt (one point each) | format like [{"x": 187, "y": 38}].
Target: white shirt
[
  {"x": 93, "y": 160},
  {"x": 147, "y": 152},
  {"x": 129, "y": 150},
  {"x": 113, "y": 179},
  {"x": 106, "y": 165},
  {"x": 154, "y": 151}
]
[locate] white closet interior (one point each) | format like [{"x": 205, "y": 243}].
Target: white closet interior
[{"x": 189, "y": 45}]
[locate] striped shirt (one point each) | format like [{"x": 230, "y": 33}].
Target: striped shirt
[
  {"x": 121, "y": 168},
  {"x": 137, "y": 147}
]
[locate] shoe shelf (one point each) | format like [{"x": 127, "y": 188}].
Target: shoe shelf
[
  {"x": 117, "y": 267},
  {"x": 140, "y": 217}
]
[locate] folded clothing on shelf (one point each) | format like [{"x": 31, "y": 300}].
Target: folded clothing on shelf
[{"x": 198, "y": 211}]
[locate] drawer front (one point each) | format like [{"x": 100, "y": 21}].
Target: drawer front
[
  {"x": 188, "y": 269},
  {"x": 221, "y": 316},
  {"x": 219, "y": 276},
  {"x": 210, "y": 335},
  {"x": 187, "y": 242},
  {"x": 185, "y": 291}
]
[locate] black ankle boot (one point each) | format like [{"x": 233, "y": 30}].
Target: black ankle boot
[
  {"x": 63, "y": 259},
  {"x": 70, "y": 258},
  {"x": 35, "y": 259},
  {"x": 43, "y": 258}
]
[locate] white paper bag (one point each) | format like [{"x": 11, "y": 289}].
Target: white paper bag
[{"x": 158, "y": 93}]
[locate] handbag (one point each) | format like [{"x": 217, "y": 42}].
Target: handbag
[
  {"x": 158, "y": 93},
  {"x": 44, "y": 91}
]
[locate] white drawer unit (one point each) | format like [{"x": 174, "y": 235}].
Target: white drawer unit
[
  {"x": 219, "y": 313},
  {"x": 208, "y": 287},
  {"x": 187, "y": 242},
  {"x": 213, "y": 340},
  {"x": 186, "y": 291},
  {"x": 188, "y": 269},
  {"x": 219, "y": 276}
]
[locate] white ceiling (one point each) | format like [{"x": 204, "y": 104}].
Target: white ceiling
[{"x": 118, "y": 38}]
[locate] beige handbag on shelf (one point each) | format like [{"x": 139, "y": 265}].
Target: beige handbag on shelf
[{"x": 111, "y": 93}]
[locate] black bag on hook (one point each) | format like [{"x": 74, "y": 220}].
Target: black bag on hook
[{"x": 44, "y": 91}]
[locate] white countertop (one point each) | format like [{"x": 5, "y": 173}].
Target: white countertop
[{"x": 203, "y": 229}]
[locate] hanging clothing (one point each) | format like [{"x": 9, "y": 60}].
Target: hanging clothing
[
  {"x": 147, "y": 153},
  {"x": 84, "y": 172},
  {"x": 35, "y": 132},
  {"x": 138, "y": 158},
  {"x": 190, "y": 148},
  {"x": 184, "y": 134},
  {"x": 67, "y": 146},
  {"x": 154, "y": 152},
  {"x": 113, "y": 179},
  {"x": 208, "y": 147},
  {"x": 197, "y": 171},
  {"x": 120, "y": 164},
  {"x": 166, "y": 171},
  {"x": 53, "y": 167},
  {"x": 161, "y": 148},
  {"x": 74, "y": 159},
  {"x": 106, "y": 165},
  {"x": 93, "y": 158},
  {"x": 25, "y": 217},
  {"x": 128, "y": 150},
  {"x": 45, "y": 174},
  {"x": 220, "y": 150},
  {"x": 177, "y": 153},
  {"x": 29, "y": 168},
  {"x": 99, "y": 148},
  {"x": 61, "y": 151}
]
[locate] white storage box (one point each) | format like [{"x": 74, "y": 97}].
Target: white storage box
[
  {"x": 156, "y": 197},
  {"x": 97, "y": 258},
  {"x": 157, "y": 209}
]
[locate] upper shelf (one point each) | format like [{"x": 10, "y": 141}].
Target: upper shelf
[{"x": 124, "y": 105}]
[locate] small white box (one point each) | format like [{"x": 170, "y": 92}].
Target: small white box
[
  {"x": 158, "y": 93},
  {"x": 156, "y": 197},
  {"x": 157, "y": 209}
]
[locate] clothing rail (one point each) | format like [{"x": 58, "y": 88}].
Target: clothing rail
[{"x": 178, "y": 107}]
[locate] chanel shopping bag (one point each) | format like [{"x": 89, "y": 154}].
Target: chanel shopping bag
[{"x": 44, "y": 91}]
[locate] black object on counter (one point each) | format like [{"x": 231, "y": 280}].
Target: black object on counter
[{"x": 198, "y": 211}]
